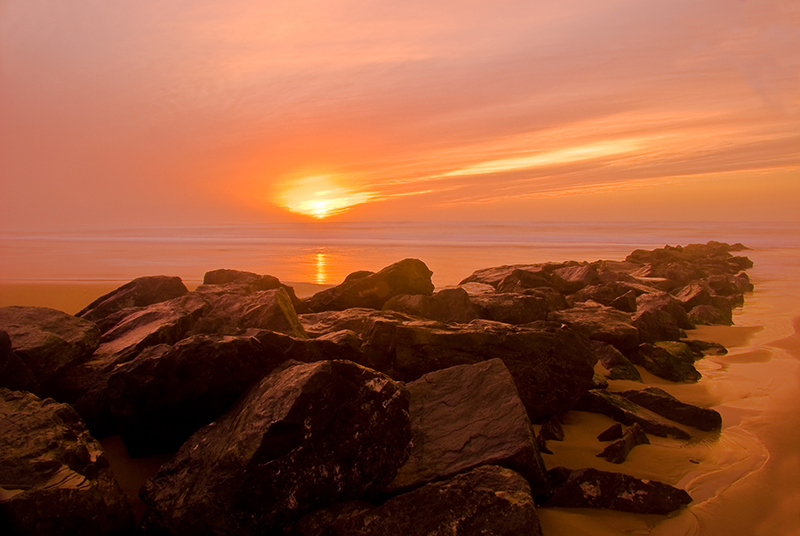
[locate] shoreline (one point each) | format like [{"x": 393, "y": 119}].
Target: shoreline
[{"x": 742, "y": 479}]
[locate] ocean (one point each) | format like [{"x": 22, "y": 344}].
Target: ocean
[{"x": 325, "y": 252}]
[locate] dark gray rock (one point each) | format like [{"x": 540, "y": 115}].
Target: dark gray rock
[
  {"x": 409, "y": 276},
  {"x": 359, "y": 320},
  {"x": 618, "y": 366},
  {"x": 656, "y": 326},
  {"x": 618, "y": 451},
  {"x": 449, "y": 306},
  {"x": 494, "y": 275},
  {"x": 233, "y": 309},
  {"x": 708, "y": 315},
  {"x": 660, "y": 402},
  {"x": 48, "y": 341},
  {"x": 626, "y": 302},
  {"x": 694, "y": 294},
  {"x": 600, "y": 323},
  {"x": 464, "y": 417},
  {"x": 169, "y": 392},
  {"x": 570, "y": 279},
  {"x": 306, "y": 436},
  {"x": 665, "y": 303},
  {"x": 251, "y": 282},
  {"x": 552, "y": 365},
  {"x": 511, "y": 308},
  {"x": 487, "y": 501},
  {"x": 14, "y": 374},
  {"x": 703, "y": 348},
  {"x": 140, "y": 292},
  {"x": 590, "y": 488},
  {"x": 626, "y": 412},
  {"x": 661, "y": 362},
  {"x": 520, "y": 280},
  {"x": 611, "y": 433},
  {"x": 54, "y": 477}
]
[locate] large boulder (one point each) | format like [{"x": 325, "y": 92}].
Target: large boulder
[
  {"x": 46, "y": 340},
  {"x": 570, "y": 279},
  {"x": 54, "y": 477},
  {"x": 14, "y": 374},
  {"x": 359, "y": 320},
  {"x": 169, "y": 392},
  {"x": 520, "y": 280},
  {"x": 511, "y": 308},
  {"x": 600, "y": 323},
  {"x": 409, "y": 276},
  {"x": 552, "y": 365},
  {"x": 138, "y": 293},
  {"x": 487, "y": 501},
  {"x": 233, "y": 309},
  {"x": 494, "y": 275},
  {"x": 304, "y": 437},
  {"x": 664, "y": 404},
  {"x": 448, "y": 305},
  {"x": 626, "y": 412},
  {"x": 252, "y": 282},
  {"x": 665, "y": 303},
  {"x": 466, "y": 416},
  {"x": 666, "y": 361},
  {"x": 591, "y": 488}
]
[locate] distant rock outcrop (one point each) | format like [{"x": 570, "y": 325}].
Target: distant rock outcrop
[{"x": 409, "y": 276}]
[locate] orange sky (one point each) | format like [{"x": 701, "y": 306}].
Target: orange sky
[{"x": 144, "y": 112}]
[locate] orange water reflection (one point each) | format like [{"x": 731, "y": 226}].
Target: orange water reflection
[{"x": 321, "y": 275}]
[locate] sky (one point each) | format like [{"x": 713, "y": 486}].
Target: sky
[{"x": 145, "y": 112}]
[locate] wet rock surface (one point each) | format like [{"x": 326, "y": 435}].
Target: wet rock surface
[
  {"x": 48, "y": 341},
  {"x": 487, "y": 501},
  {"x": 466, "y": 416},
  {"x": 54, "y": 477},
  {"x": 624, "y": 411},
  {"x": 304, "y": 437},
  {"x": 591, "y": 488},
  {"x": 409, "y": 276}
]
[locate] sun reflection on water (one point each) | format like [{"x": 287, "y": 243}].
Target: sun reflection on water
[{"x": 321, "y": 275}]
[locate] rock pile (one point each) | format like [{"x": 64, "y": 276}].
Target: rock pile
[{"x": 377, "y": 406}]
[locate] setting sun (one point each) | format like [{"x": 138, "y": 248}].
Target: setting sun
[{"x": 319, "y": 196}]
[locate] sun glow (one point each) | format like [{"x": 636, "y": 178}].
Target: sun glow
[{"x": 319, "y": 196}]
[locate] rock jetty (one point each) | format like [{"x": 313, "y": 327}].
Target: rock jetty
[{"x": 378, "y": 406}]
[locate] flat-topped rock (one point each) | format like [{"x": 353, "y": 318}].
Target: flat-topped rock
[
  {"x": 466, "y": 416},
  {"x": 140, "y": 292},
  {"x": 591, "y": 488},
  {"x": 626, "y": 412},
  {"x": 46, "y": 340},
  {"x": 552, "y": 365},
  {"x": 664, "y": 404}
]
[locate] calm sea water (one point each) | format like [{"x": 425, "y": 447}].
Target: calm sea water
[{"x": 324, "y": 252}]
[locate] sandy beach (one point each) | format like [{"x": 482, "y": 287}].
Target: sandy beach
[{"x": 744, "y": 479}]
